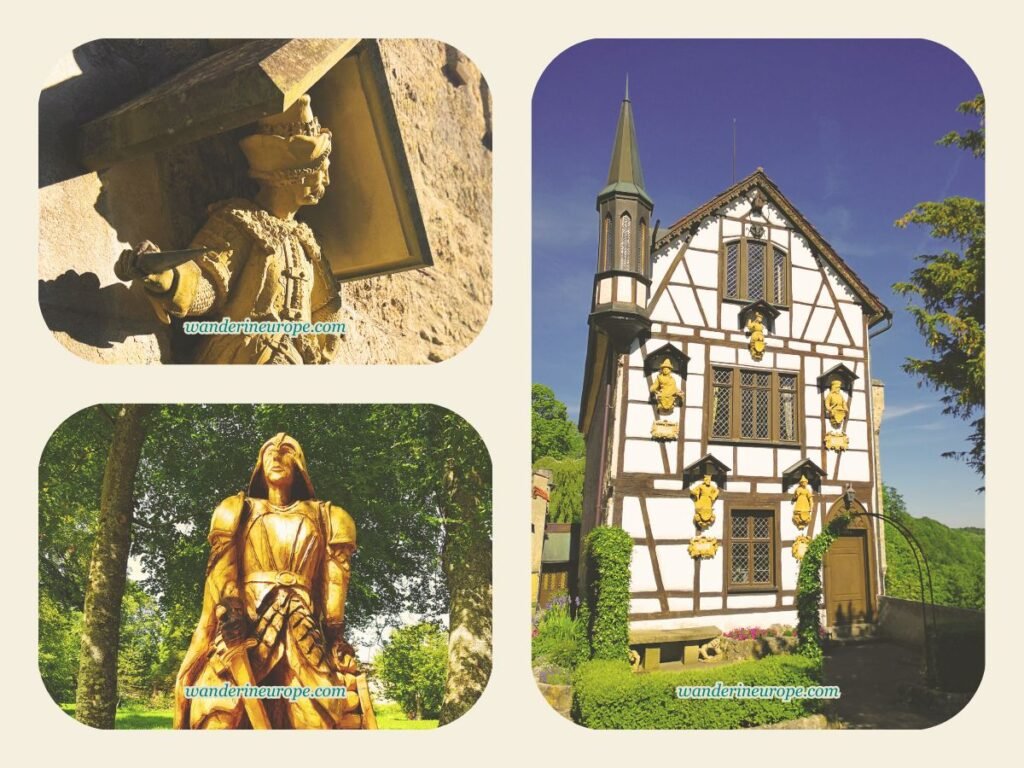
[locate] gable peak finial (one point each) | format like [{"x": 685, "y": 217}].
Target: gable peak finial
[{"x": 626, "y": 97}]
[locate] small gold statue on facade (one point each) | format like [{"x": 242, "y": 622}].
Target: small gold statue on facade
[
  {"x": 800, "y": 545},
  {"x": 837, "y": 410},
  {"x": 755, "y": 330},
  {"x": 665, "y": 394},
  {"x": 703, "y": 547},
  {"x": 274, "y": 607},
  {"x": 704, "y": 495},
  {"x": 803, "y": 503},
  {"x": 253, "y": 262}
]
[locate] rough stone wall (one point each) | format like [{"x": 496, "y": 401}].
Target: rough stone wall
[
  {"x": 432, "y": 314},
  {"x": 420, "y": 316}
]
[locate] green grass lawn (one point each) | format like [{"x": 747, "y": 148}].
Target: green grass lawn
[{"x": 389, "y": 717}]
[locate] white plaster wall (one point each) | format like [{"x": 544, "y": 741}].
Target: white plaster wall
[
  {"x": 731, "y": 229},
  {"x": 670, "y": 517},
  {"x": 751, "y": 601},
  {"x": 696, "y": 364},
  {"x": 838, "y": 335},
  {"x": 645, "y": 605},
  {"x": 767, "y": 361},
  {"x": 854, "y": 319},
  {"x": 662, "y": 260},
  {"x": 638, "y": 420},
  {"x": 686, "y": 303},
  {"x": 756, "y": 461},
  {"x": 694, "y": 386},
  {"x": 799, "y": 322},
  {"x": 676, "y": 566},
  {"x": 787, "y": 457},
  {"x": 709, "y": 302},
  {"x": 857, "y": 431},
  {"x": 638, "y": 388},
  {"x": 817, "y": 327},
  {"x": 632, "y": 517},
  {"x": 668, "y": 485},
  {"x": 723, "y": 355},
  {"x": 691, "y": 452},
  {"x": 680, "y": 603},
  {"x": 805, "y": 284},
  {"x": 737, "y": 486},
  {"x": 855, "y": 466},
  {"x": 664, "y": 312},
  {"x": 703, "y": 268},
  {"x": 710, "y": 602},
  {"x": 773, "y": 216},
  {"x": 643, "y": 456},
  {"x": 711, "y": 573},
  {"x": 730, "y": 316},
  {"x": 694, "y": 422},
  {"x": 707, "y": 237},
  {"x": 800, "y": 255},
  {"x": 782, "y": 325},
  {"x": 641, "y": 571},
  {"x": 787, "y": 530},
  {"x": 812, "y": 370},
  {"x": 839, "y": 286}
]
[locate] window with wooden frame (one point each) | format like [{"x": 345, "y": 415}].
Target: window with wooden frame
[
  {"x": 751, "y": 550},
  {"x": 754, "y": 405},
  {"x": 755, "y": 269}
]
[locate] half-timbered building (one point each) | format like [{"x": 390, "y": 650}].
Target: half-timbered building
[{"x": 714, "y": 349}]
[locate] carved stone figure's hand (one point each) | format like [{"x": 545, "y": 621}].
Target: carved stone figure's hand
[
  {"x": 127, "y": 269},
  {"x": 231, "y": 623},
  {"x": 343, "y": 656}
]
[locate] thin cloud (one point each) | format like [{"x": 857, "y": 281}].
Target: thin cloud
[{"x": 896, "y": 411}]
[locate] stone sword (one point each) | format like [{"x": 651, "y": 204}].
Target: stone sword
[{"x": 155, "y": 262}]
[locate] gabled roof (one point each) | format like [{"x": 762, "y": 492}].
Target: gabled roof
[{"x": 759, "y": 179}]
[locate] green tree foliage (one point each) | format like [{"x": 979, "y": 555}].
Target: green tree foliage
[
  {"x": 808, "y": 588},
  {"x": 412, "y": 665},
  {"x": 956, "y": 557},
  {"x": 950, "y": 287},
  {"x": 608, "y": 551},
  {"x": 566, "y": 503},
  {"x": 553, "y": 434},
  {"x": 59, "y": 631}
]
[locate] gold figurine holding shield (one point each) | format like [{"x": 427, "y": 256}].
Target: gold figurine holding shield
[{"x": 274, "y": 606}]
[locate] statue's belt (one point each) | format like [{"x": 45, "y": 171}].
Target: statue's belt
[{"x": 284, "y": 578}]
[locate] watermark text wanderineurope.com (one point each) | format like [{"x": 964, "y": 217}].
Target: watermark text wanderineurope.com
[
  {"x": 226, "y": 326},
  {"x": 250, "y": 691},
  {"x": 743, "y": 691}
]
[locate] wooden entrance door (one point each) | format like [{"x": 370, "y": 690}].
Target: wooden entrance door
[{"x": 847, "y": 599}]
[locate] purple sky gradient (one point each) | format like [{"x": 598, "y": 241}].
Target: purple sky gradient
[{"x": 847, "y": 129}]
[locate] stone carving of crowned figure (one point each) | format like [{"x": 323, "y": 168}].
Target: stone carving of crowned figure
[
  {"x": 755, "y": 329},
  {"x": 254, "y": 261},
  {"x": 274, "y": 607}
]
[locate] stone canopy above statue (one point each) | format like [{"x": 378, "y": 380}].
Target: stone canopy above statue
[
  {"x": 706, "y": 465},
  {"x": 370, "y": 222},
  {"x": 653, "y": 360}
]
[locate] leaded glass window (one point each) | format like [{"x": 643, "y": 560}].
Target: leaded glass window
[
  {"x": 753, "y": 270},
  {"x": 751, "y": 549},
  {"x": 625, "y": 242},
  {"x": 754, "y": 405}
]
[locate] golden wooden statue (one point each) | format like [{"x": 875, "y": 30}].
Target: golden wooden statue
[
  {"x": 252, "y": 260},
  {"x": 704, "y": 495},
  {"x": 835, "y": 404},
  {"x": 755, "y": 329},
  {"x": 803, "y": 502},
  {"x": 274, "y": 606},
  {"x": 665, "y": 391}
]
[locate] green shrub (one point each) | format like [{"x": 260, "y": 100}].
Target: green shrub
[
  {"x": 608, "y": 695},
  {"x": 808, "y": 588},
  {"x": 608, "y": 551},
  {"x": 557, "y": 636}
]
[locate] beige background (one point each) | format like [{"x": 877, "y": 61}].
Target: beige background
[{"x": 511, "y": 44}]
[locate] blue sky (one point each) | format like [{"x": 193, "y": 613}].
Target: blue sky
[{"x": 846, "y": 128}]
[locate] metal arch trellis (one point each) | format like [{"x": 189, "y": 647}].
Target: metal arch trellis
[{"x": 920, "y": 558}]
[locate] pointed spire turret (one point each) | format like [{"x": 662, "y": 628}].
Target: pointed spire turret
[
  {"x": 625, "y": 175},
  {"x": 623, "y": 277}
]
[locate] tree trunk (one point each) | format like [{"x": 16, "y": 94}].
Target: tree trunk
[
  {"x": 96, "y": 699},
  {"x": 467, "y": 562}
]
